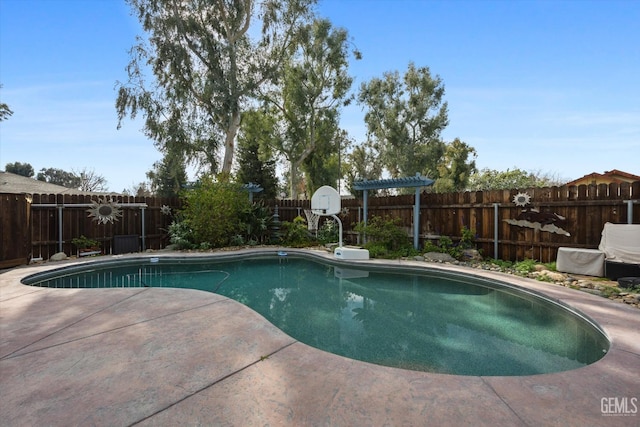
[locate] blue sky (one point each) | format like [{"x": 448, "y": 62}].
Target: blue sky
[{"x": 547, "y": 86}]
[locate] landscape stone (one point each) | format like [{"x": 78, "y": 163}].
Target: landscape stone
[
  {"x": 553, "y": 275},
  {"x": 59, "y": 256},
  {"x": 437, "y": 256},
  {"x": 471, "y": 255}
]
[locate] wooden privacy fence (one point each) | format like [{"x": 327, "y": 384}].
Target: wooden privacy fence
[
  {"x": 585, "y": 210},
  {"x": 40, "y": 225},
  {"x": 37, "y": 226}
]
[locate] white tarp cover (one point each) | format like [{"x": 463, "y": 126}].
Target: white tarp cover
[
  {"x": 589, "y": 262},
  {"x": 621, "y": 242}
]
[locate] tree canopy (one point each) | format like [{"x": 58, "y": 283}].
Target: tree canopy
[
  {"x": 491, "y": 179},
  {"x": 167, "y": 176},
  {"x": 24, "y": 169},
  {"x": 59, "y": 177},
  {"x": 208, "y": 59},
  {"x": 405, "y": 116},
  {"x": 255, "y": 158},
  {"x": 307, "y": 100},
  {"x": 455, "y": 167}
]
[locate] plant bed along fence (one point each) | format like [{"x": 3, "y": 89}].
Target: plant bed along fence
[{"x": 37, "y": 226}]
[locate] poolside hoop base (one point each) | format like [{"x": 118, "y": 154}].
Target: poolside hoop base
[{"x": 351, "y": 253}]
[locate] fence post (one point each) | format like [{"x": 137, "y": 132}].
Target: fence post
[
  {"x": 416, "y": 218},
  {"x": 60, "y": 238},
  {"x": 495, "y": 230},
  {"x": 144, "y": 243},
  {"x": 629, "y": 211}
]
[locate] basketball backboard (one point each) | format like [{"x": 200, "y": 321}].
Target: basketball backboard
[{"x": 325, "y": 201}]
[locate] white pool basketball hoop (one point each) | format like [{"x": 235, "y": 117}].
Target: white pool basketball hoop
[{"x": 326, "y": 202}]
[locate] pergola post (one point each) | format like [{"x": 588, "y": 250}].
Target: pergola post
[
  {"x": 416, "y": 219},
  {"x": 365, "y": 201}
]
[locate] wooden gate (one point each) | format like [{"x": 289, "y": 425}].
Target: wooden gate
[{"x": 15, "y": 230}]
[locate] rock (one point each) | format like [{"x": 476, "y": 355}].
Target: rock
[
  {"x": 628, "y": 282},
  {"x": 585, "y": 284},
  {"x": 59, "y": 256},
  {"x": 437, "y": 256},
  {"x": 540, "y": 267},
  {"x": 471, "y": 255},
  {"x": 418, "y": 258},
  {"x": 553, "y": 275}
]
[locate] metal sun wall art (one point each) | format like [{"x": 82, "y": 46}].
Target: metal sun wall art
[
  {"x": 533, "y": 218},
  {"x": 104, "y": 211}
]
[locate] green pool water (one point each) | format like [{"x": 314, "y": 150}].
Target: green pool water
[{"x": 431, "y": 321}]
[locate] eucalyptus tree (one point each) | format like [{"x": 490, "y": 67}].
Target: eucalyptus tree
[
  {"x": 456, "y": 167},
  {"x": 405, "y": 116},
  {"x": 208, "y": 59},
  {"x": 362, "y": 163},
  {"x": 314, "y": 86},
  {"x": 323, "y": 165}
]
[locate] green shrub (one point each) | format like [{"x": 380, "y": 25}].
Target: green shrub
[
  {"x": 386, "y": 238},
  {"x": 609, "y": 291},
  {"x": 446, "y": 245},
  {"x": 256, "y": 220},
  {"x": 181, "y": 235},
  {"x": 83, "y": 242},
  {"x": 214, "y": 212},
  {"x": 504, "y": 265},
  {"x": 467, "y": 238},
  {"x": 525, "y": 267},
  {"x": 329, "y": 232},
  {"x": 295, "y": 233},
  {"x": 377, "y": 250},
  {"x": 429, "y": 246}
]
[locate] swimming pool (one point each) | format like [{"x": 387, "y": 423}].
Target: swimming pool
[{"x": 422, "y": 319}]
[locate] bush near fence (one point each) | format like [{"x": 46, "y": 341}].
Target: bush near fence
[{"x": 28, "y": 232}]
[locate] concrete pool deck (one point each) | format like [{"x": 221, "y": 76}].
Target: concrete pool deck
[{"x": 158, "y": 356}]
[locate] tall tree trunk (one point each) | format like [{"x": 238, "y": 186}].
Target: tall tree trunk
[
  {"x": 293, "y": 180},
  {"x": 229, "y": 142}
]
